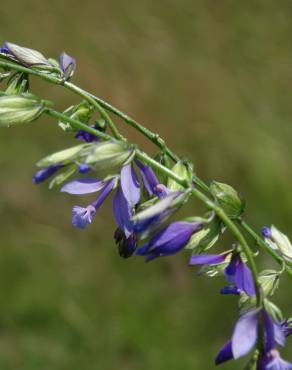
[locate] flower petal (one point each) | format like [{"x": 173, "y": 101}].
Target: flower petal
[
  {"x": 244, "y": 279},
  {"x": 149, "y": 178},
  {"x": 123, "y": 213},
  {"x": 245, "y": 334},
  {"x": 83, "y": 186},
  {"x": 81, "y": 217},
  {"x": 225, "y": 354},
  {"x": 130, "y": 184},
  {"x": 104, "y": 193},
  {"x": 208, "y": 259}
]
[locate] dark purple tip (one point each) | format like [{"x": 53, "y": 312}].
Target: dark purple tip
[
  {"x": 230, "y": 290},
  {"x": 45, "y": 173},
  {"x": 84, "y": 168},
  {"x": 86, "y": 136},
  {"x": 266, "y": 232}
]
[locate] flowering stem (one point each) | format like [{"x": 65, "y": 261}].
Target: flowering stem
[
  {"x": 197, "y": 193},
  {"x": 101, "y": 106}
]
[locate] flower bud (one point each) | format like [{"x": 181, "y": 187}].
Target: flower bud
[
  {"x": 81, "y": 112},
  {"x": 68, "y": 65},
  {"x": 19, "y": 109},
  {"x": 108, "y": 154},
  {"x": 227, "y": 198},
  {"x": 25, "y": 56},
  {"x": 64, "y": 156},
  {"x": 183, "y": 170},
  {"x": 277, "y": 240}
]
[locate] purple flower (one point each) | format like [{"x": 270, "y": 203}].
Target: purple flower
[
  {"x": 67, "y": 65},
  {"x": 169, "y": 240},
  {"x": 86, "y": 136},
  {"x": 237, "y": 272},
  {"x": 81, "y": 217},
  {"x": 151, "y": 182},
  {"x": 246, "y": 334},
  {"x": 84, "y": 216},
  {"x": 126, "y": 245},
  {"x": 125, "y": 199},
  {"x": 273, "y": 361},
  {"x": 286, "y": 327},
  {"x": 84, "y": 168},
  {"x": 45, "y": 173},
  {"x": 150, "y": 219}
]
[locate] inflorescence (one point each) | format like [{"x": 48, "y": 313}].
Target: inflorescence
[{"x": 147, "y": 192}]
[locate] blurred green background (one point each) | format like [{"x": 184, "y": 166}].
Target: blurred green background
[{"x": 212, "y": 77}]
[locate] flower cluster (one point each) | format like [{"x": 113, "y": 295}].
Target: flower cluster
[{"x": 146, "y": 192}]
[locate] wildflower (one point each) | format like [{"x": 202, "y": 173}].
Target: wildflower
[
  {"x": 237, "y": 272},
  {"x": 125, "y": 199},
  {"x": 126, "y": 245},
  {"x": 169, "y": 240},
  {"x": 148, "y": 220},
  {"x": 45, "y": 173},
  {"x": 83, "y": 216},
  {"x": 246, "y": 334},
  {"x": 273, "y": 361},
  {"x": 67, "y": 65},
  {"x": 151, "y": 182}
]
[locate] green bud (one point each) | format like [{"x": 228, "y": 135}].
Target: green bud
[
  {"x": 183, "y": 170},
  {"x": 19, "y": 109},
  {"x": 227, "y": 198},
  {"x": 26, "y": 56},
  {"x": 64, "y": 156},
  {"x": 108, "y": 154},
  {"x": 281, "y": 242},
  {"x": 81, "y": 112},
  {"x": 18, "y": 84},
  {"x": 207, "y": 237}
]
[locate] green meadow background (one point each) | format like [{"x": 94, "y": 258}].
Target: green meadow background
[{"x": 214, "y": 78}]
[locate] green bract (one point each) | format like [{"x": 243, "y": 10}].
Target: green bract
[
  {"x": 227, "y": 198},
  {"x": 108, "y": 154},
  {"x": 184, "y": 171},
  {"x": 207, "y": 237},
  {"x": 81, "y": 112},
  {"x": 19, "y": 109},
  {"x": 18, "y": 84}
]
